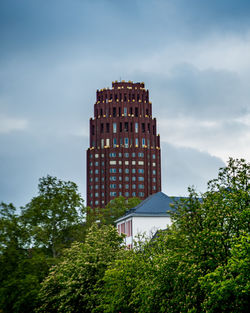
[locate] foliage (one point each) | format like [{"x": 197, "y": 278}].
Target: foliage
[
  {"x": 227, "y": 289},
  {"x": 113, "y": 210},
  {"x": 31, "y": 242},
  {"x": 52, "y": 215},
  {"x": 73, "y": 284}
]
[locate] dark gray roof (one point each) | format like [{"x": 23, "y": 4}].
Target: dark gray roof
[{"x": 157, "y": 204}]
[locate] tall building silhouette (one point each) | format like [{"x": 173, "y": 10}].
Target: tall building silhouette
[{"x": 123, "y": 157}]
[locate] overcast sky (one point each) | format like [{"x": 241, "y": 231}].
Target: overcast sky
[{"x": 194, "y": 57}]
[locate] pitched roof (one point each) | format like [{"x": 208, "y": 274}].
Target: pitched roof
[{"x": 157, "y": 204}]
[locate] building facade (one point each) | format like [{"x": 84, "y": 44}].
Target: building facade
[{"x": 124, "y": 156}]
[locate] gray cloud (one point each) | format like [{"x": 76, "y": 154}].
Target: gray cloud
[{"x": 193, "y": 57}]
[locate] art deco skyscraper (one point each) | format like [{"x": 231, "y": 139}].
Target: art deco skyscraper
[{"x": 124, "y": 154}]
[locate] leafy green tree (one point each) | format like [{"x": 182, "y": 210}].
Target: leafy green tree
[
  {"x": 74, "y": 284},
  {"x": 113, "y": 210},
  {"x": 227, "y": 289},
  {"x": 55, "y": 216}
]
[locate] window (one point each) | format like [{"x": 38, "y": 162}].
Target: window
[
  {"x": 134, "y": 186},
  {"x": 136, "y": 142},
  {"x": 120, "y": 178},
  {"x": 143, "y": 142},
  {"x": 127, "y": 186},
  {"x": 126, "y": 178},
  {"x": 112, "y": 162},
  {"x": 112, "y": 155},
  {"x": 114, "y": 128},
  {"x": 153, "y": 179},
  {"x": 153, "y": 172},
  {"x": 120, "y": 170},
  {"x": 113, "y": 178},
  {"x": 141, "y": 194},
  {"x": 125, "y": 111},
  {"x": 102, "y": 186},
  {"x": 140, "y": 170},
  {"x": 107, "y": 127},
  {"x": 102, "y": 194},
  {"x": 133, "y": 194},
  {"x": 141, "y": 186},
  {"x": 126, "y": 142},
  {"x": 120, "y": 186},
  {"x": 102, "y": 127},
  {"x": 140, "y": 162},
  {"x": 136, "y": 127},
  {"x": 133, "y": 170},
  {"x": 112, "y": 186},
  {"x": 143, "y": 127},
  {"x": 126, "y": 155},
  {"x": 112, "y": 170},
  {"x": 102, "y": 143},
  {"x": 153, "y": 156},
  {"x": 133, "y": 155},
  {"x": 96, "y": 171},
  {"x": 126, "y": 127},
  {"x": 140, "y": 154},
  {"x": 120, "y": 162},
  {"x": 126, "y": 194},
  {"x": 96, "y": 202},
  {"x": 91, "y": 156},
  {"x": 126, "y": 170},
  {"x": 133, "y": 178},
  {"x": 107, "y": 142},
  {"x": 133, "y": 162},
  {"x": 154, "y": 188},
  {"x": 96, "y": 179},
  {"x": 114, "y": 111},
  {"x": 126, "y": 162},
  {"x": 153, "y": 164},
  {"x": 113, "y": 194},
  {"x": 96, "y": 194},
  {"x": 91, "y": 172},
  {"x": 102, "y": 178},
  {"x": 114, "y": 142},
  {"x": 120, "y": 155},
  {"x": 96, "y": 163},
  {"x": 136, "y": 112},
  {"x": 140, "y": 178},
  {"x": 91, "y": 163},
  {"x": 97, "y": 156},
  {"x": 91, "y": 179}
]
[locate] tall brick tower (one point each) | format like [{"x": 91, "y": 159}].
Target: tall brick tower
[{"x": 124, "y": 155}]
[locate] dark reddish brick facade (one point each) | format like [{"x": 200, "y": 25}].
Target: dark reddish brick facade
[{"x": 124, "y": 156}]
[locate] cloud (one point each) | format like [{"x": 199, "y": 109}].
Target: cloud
[{"x": 10, "y": 124}]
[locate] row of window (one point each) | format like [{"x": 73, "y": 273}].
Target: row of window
[
  {"x": 124, "y": 127},
  {"x": 117, "y": 111},
  {"x": 114, "y": 170},
  {"x": 122, "y": 97},
  {"x": 133, "y": 154},
  {"x": 124, "y": 142},
  {"x": 126, "y": 155},
  {"x": 114, "y": 178},
  {"x": 120, "y": 186},
  {"x": 115, "y": 194}
]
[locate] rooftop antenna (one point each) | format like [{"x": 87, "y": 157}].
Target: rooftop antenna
[{"x": 120, "y": 79}]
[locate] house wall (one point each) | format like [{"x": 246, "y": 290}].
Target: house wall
[
  {"x": 143, "y": 225},
  {"x": 149, "y": 225}
]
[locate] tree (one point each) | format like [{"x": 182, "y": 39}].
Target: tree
[
  {"x": 54, "y": 215},
  {"x": 113, "y": 210},
  {"x": 227, "y": 289},
  {"x": 73, "y": 285}
]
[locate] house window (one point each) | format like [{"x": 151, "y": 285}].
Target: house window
[
  {"x": 114, "y": 128},
  {"x": 141, "y": 194},
  {"x": 141, "y": 186},
  {"x": 140, "y": 154},
  {"x": 140, "y": 170},
  {"x": 113, "y": 178},
  {"x": 140, "y": 178},
  {"x": 112, "y": 162},
  {"x": 125, "y": 111},
  {"x": 112, "y": 186},
  {"x": 112, "y": 170},
  {"x": 114, "y": 142},
  {"x": 140, "y": 162},
  {"x": 136, "y": 127},
  {"x": 112, "y": 155},
  {"x": 126, "y": 142},
  {"x": 113, "y": 194}
]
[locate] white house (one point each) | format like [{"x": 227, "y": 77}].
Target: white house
[{"x": 146, "y": 218}]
